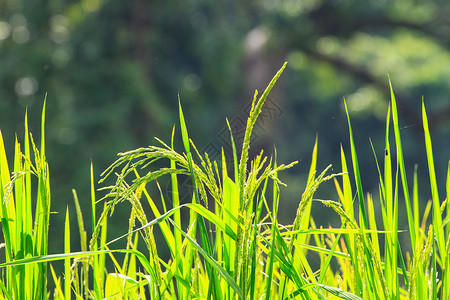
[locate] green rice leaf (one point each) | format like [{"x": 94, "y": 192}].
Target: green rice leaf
[
  {"x": 340, "y": 293},
  {"x": 437, "y": 217},
  {"x": 213, "y": 263},
  {"x": 175, "y": 195},
  {"x": 401, "y": 163},
  {"x": 356, "y": 172},
  {"x": 67, "y": 273}
]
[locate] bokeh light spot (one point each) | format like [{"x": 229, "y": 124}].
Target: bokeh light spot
[
  {"x": 255, "y": 40},
  {"x": 91, "y": 5},
  {"x": 17, "y": 20},
  {"x": 192, "y": 82},
  {"x": 89, "y": 50},
  {"x": 67, "y": 136},
  {"x": 61, "y": 57},
  {"x": 26, "y": 86},
  {"x": 367, "y": 100},
  {"x": 21, "y": 35},
  {"x": 326, "y": 45},
  {"x": 58, "y": 25},
  {"x": 5, "y": 30}
]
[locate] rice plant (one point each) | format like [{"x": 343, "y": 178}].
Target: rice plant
[
  {"x": 235, "y": 249},
  {"x": 24, "y": 234},
  {"x": 226, "y": 242}
]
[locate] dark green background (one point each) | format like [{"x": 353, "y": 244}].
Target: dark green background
[{"x": 113, "y": 70}]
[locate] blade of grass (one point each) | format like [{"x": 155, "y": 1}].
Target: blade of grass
[
  {"x": 254, "y": 247},
  {"x": 356, "y": 172},
  {"x": 235, "y": 159},
  {"x": 28, "y": 226},
  {"x": 446, "y": 275},
  {"x": 83, "y": 242},
  {"x": 212, "y": 262},
  {"x": 347, "y": 203},
  {"x": 42, "y": 214},
  {"x": 98, "y": 268},
  {"x": 102, "y": 256},
  {"x": 67, "y": 273},
  {"x": 401, "y": 163},
  {"x": 302, "y": 217},
  {"x": 272, "y": 246},
  {"x": 340, "y": 293},
  {"x": 58, "y": 293},
  {"x": 324, "y": 267},
  {"x": 164, "y": 226},
  {"x": 416, "y": 206},
  {"x": 7, "y": 212},
  {"x": 230, "y": 194},
  {"x": 175, "y": 197},
  {"x": 437, "y": 217},
  {"x": 205, "y": 238}
]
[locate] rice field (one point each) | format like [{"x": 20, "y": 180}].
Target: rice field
[{"x": 226, "y": 242}]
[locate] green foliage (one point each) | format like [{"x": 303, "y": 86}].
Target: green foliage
[
  {"x": 25, "y": 234},
  {"x": 112, "y": 70},
  {"x": 227, "y": 242}
]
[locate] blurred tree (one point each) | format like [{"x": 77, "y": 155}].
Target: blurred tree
[{"x": 113, "y": 69}]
